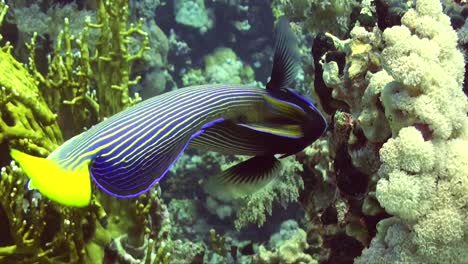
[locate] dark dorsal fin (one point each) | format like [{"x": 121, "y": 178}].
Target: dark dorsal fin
[{"x": 286, "y": 59}]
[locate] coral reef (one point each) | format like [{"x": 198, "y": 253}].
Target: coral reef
[
  {"x": 154, "y": 65},
  {"x": 285, "y": 189},
  {"x": 424, "y": 170},
  {"x": 330, "y": 15},
  {"x": 192, "y": 13},
  {"x": 106, "y": 71},
  {"x": 26, "y": 121},
  {"x": 36, "y": 229},
  {"x": 405, "y": 83},
  {"x": 288, "y": 249},
  {"x": 388, "y": 182},
  {"x": 221, "y": 66},
  {"x": 32, "y": 20}
]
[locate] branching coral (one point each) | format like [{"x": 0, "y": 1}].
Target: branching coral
[
  {"x": 26, "y": 121},
  {"x": 285, "y": 189},
  {"x": 24, "y": 235},
  {"x": 37, "y": 231},
  {"x": 87, "y": 86},
  {"x": 112, "y": 64}
]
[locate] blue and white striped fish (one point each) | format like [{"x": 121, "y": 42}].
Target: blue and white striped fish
[{"x": 129, "y": 152}]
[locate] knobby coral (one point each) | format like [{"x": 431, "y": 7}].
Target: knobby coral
[
  {"x": 26, "y": 121},
  {"x": 290, "y": 249},
  {"x": 406, "y": 83},
  {"x": 424, "y": 172}
]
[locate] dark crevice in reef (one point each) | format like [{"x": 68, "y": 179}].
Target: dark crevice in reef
[
  {"x": 343, "y": 249},
  {"x": 323, "y": 44},
  {"x": 389, "y": 13},
  {"x": 5, "y": 238},
  {"x": 350, "y": 181}
]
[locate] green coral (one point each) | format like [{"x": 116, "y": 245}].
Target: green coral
[
  {"x": 218, "y": 243},
  {"x": 83, "y": 85},
  {"x": 79, "y": 84},
  {"x": 88, "y": 83},
  {"x": 37, "y": 231},
  {"x": 290, "y": 249},
  {"x": 317, "y": 15},
  {"x": 221, "y": 66},
  {"x": 193, "y": 77},
  {"x": 26, "y": 121},
  {"x": 192, "y": 13}
]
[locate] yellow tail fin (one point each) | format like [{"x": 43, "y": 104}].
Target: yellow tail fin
[{"x": 72, "y": 188}]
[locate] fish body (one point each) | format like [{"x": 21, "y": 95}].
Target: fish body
[
  {"x": 129, "y": 152},
  {"x": 126, "y": 150},
  {"x": 232, "y": 138}
]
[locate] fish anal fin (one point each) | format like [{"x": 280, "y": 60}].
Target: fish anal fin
[{"x": 244, "y": 178}]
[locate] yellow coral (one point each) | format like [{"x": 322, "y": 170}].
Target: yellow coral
[{"x": 27, "y": 122}]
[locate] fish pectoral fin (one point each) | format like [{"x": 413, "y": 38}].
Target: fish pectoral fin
[
  {"x": 244, "y": 178},
  {"x": 286, "y": 59},
  {"x": 282, "y": 130},
  {"x": 280, "y": 108},
  {"x": 67, "y": 187}
]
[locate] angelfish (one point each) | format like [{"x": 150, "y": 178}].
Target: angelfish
[{"x": 129, "y": 152}]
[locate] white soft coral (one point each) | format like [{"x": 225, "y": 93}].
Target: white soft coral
[
  {"x": 422, "y": 57},
  {"x": 424, "y": 172}
]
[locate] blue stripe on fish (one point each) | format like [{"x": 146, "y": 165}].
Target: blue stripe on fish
[
  {"x": 134, "y": 149},
  {"x": 230, "y": 138},
  {"x": 130, "y": 151}
]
